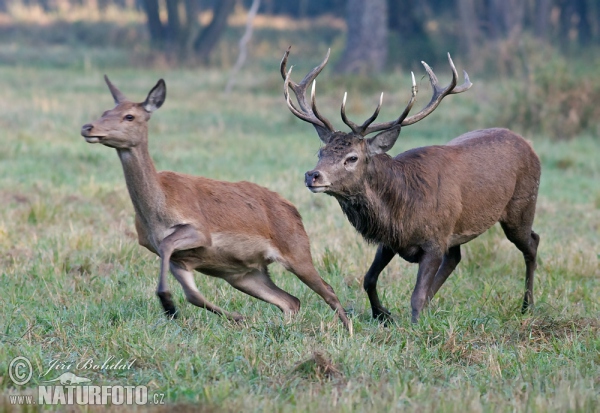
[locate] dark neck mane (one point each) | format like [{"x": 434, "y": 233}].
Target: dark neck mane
[{"x": 382, "y": 211}]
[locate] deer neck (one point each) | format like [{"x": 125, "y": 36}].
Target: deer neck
[
  {"x": 142, "y": 182},
  {"x": 375, "y": 209}
]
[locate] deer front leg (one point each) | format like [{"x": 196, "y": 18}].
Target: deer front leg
[
  {"x": 428, "y": 267},
  {"x": 383, "y": 256},
  {"x": 184, "y": 237}
]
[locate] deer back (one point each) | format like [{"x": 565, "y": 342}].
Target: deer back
[{"x": 233, "y": 208}]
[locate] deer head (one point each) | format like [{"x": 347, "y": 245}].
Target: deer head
[
  {"x": 345, "y": 156},
  {"x": 126, "y": 125}
]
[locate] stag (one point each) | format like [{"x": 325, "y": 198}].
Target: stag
[
  {"x": 227, "y": 230},
  {"x": 426, "y": 202}
]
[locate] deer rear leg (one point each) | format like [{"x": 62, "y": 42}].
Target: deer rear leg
[
  {"x": 531, "y": 265},
  {"x": 527, "y": 242},
  {"x": 186, "y": 279},
  {"x": 428, "y": 267},
  {"x": 304, "y": 269},
  {"x": 258, "y": 284},
  {"x": 449, "y": 263},
  {"x": 184, "y": 237},
  {"x": 383, "y": 256}
]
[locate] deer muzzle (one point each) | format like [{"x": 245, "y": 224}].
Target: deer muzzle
[
  {"x": 315, "y": 181},
  {"x": 86, "y": 132}
]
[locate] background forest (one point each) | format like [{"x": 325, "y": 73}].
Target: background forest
[{"x": 546, "y": 47}]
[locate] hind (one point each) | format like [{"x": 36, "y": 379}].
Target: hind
[{"x": 517, "y": 223}]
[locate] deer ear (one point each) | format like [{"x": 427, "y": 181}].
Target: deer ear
[
  {"x": 324, "y": 133},
  {"x": 117, "y": 95},
  {"x": 156, "y": 97},
  {"x": 383, "y": 142}
]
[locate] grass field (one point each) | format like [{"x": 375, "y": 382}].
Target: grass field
[{"x": 76, "y": 286}]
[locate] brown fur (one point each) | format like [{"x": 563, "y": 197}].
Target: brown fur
[
  {"x": 424, "y": 203},
  {"x": 227, "y": 230}
]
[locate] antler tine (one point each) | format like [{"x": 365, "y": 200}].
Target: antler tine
[
  {"x": 285, "y": 74},
  {"x": 388, "y": 125},
  {"x": 464, "y": 87},
  {"x": 360, "y": 130},
  {"x": 411, "y": 102},
  {"x": 300, "y": 88},
  {"x": 283, "y": 64},
  {"x": 308, "y": 113},
  {"x": 313, "y": 104},
  {"x": 355, "y": 128},
  {"x": 365, "y": 126},
  {"x": 438, "y": 92},
  {"x": 298, "y": 113},
  {"x": 315, "y": 72}
]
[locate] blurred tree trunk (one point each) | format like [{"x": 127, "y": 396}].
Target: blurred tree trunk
[
  {"x": 574, "y": 22},
  {"x": 174, "y": 23},
  {"x": 268, "y": 6},
  {"x": 155, "y": 26},
  {"x": 469, "y": 25},
  {"x": 584, "y": 30},
  {"x": 192, "y": 27},
  {"x": 101, "y": 4},
  {"x": 404, "y": 18},
  {"x": 209, "y": 37},
  {"x": 542, "y": 18},
  {"x": 366, "y": 43},
  {"x": 514, "y": 13},
  {"x": 595, "y": 16},
  {"x": 175, "y": 37},
  {"x": 496, "y": 19},
  {"x": 506, "y": 17}
]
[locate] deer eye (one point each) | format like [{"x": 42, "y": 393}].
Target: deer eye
[
  {"x": 351, "y": 159},
  {"x": 129, "y": 117}
]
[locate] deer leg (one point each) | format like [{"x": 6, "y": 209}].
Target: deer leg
[
  {"x": 383, "y": 256},
  {"x": 186, "y": 279},
  {"x": 428, "y": 266},
  {"x": 527, "y": 242},
  {"x": 306, "y": 272},
  {"x": 258, "y": 284},
  {"x": 184, "y": 237},
  {"x": 162, "y": 291},
  {"x": 449, "y": 263},
  {"x": 531, "y": 265}
]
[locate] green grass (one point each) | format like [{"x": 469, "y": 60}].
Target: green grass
[{"x": 75, "y": 284}]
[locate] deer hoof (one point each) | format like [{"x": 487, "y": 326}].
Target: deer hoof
[
  {"x": 167, "y": 303},
  {"x": 382, "y": 315},
  {"x": 238, "y": 318},
  {"x": 172, "y": 313},
  {"x": 527, "y": 303}
]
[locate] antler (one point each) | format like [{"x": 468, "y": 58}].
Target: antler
[
  {"x": 362, "y": 128},
  {"x": 306, "y": 113},
  {"x": 365, "y": 129},
  {"x": 438, "y": 94}
]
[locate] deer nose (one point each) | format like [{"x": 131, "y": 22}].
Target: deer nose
[
  {"x": 311, "y": 177},
  {"x": 87, "y": 128}
]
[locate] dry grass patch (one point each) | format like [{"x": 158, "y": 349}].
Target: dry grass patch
[{"x": 318, "y": 367}]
